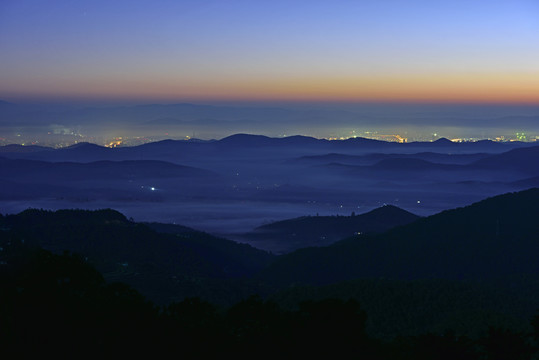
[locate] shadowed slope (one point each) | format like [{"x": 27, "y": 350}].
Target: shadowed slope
[
  {"x": 492, "y": 238},
  {"x": 162, "y": 266},
  {"x": 292, "y": 234}
]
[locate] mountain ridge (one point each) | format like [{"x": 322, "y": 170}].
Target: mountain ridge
[
  {"x": 306, "y": 231},
  {"x": 490, "y": 238}
]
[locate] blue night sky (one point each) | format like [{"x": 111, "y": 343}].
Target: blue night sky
[{"x": 469, "y": 51}]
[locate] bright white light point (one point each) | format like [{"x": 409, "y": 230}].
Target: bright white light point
[
  {"x": 419, "y": 202},
  {"x": 152, "y": 188}
]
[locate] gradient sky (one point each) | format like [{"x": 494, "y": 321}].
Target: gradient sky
[{"x": 416, "y": 50}]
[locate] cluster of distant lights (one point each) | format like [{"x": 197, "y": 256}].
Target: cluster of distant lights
[
  {"x": 120, "y": 141},
  {"x": 374, "y": 135}
]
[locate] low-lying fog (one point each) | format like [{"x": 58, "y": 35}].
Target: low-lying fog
[{"x": 231, "y": 186}]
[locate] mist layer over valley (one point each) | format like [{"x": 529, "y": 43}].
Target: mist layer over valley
[{"x": 236, "y": 184}]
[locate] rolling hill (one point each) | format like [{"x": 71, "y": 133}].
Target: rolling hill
[
  {"x": 292, "y": 234},
  {"x": 493, "y": 238},
  {"x": 162, "y": 266}
]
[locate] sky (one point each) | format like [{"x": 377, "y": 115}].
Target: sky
[{"x": 471, "y": 51}]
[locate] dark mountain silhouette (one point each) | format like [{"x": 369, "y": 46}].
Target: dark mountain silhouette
[
  {"x": 58, "y": 304},
  {"x": 444, "y": 158},
  {"x": 239, "y": 141},
  {"x": 172, "y": 149},
  {"x": 358, "y": 143},
  {"x": 485, "y": 241},
  {"x": 300, "y": 140},
  {"x": 406, "y": 164},
  {"x": 123, "y": 182},
  {"x": 370, "y": 159},
  {"x": 408, "y": 169},
  {"x": 361, "y": 141},
  {"x": 105, "y": 170},
  {"x": 247, "y": 140},
  {"x": 14, "y": 148},
  {"x": 443, "y": 141},
  {"x": 492, "y": 238},
  {"x": 167, "y": 147},
  {"x": 85, "y": 147},
  {"x": 332, "y": 157},
  {"x": 447, "y": 146},
  {"x": 163, "y": 266},
  {"x": 525, "y": 160},
  {"x": 292, "y": 234},
  {"x": 81, "y": 152}
]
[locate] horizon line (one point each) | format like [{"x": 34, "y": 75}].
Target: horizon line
[
  {"x": 191, "y": 139},
  {"x": 122, "y": 101}
]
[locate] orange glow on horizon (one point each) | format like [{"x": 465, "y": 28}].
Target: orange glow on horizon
[{"x": 516, "y": 88}]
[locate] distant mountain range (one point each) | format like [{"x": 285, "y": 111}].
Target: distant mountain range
[
  {"x": 522, "y": 162},
  {"x": 24, "y": 170},
  {"x": 447, "y": 150},
  {"x": 373, "y": 158},
  {"x": 269, "y": 178}
]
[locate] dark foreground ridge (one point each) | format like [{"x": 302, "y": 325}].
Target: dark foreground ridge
[
  {"x": 59, "y": 305},
  {"x": 460, "y": 284},
  {"x": 163, "y": 266},
  {"x": 493, "y": 238}
]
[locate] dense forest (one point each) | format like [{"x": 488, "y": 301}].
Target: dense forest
[
  {"x": 95, "y": 280},
  {"x": 58, "y": 304}
]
